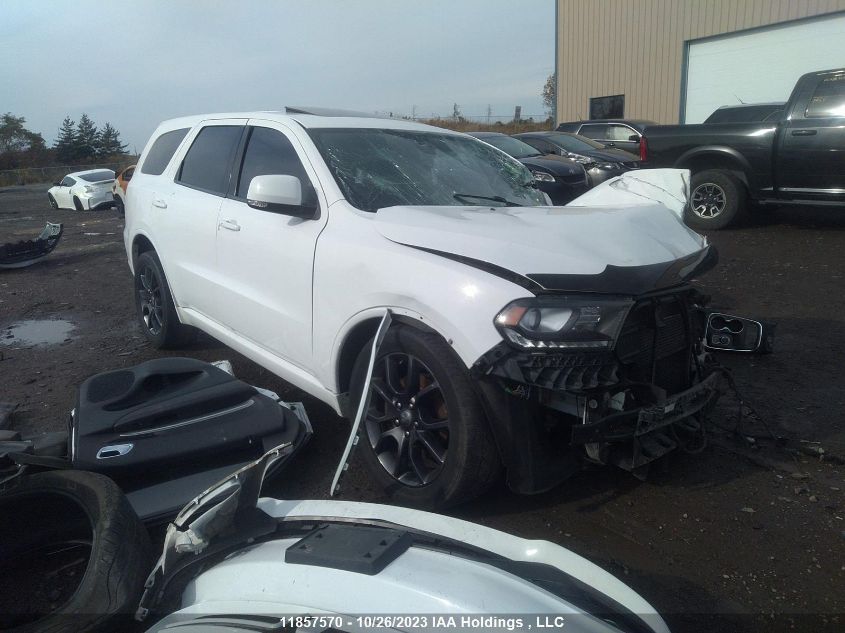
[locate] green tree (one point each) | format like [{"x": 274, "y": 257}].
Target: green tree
[
  {"x": 66, "y": 142},
  {"x": 86, "y": 138},
  {"x": 108, "y": 142},
  {"x": 19, "y": 147},
  {"x": 550, "y": 93}
]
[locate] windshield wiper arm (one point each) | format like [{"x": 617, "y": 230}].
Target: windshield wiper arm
[{"x": 504, "y": 201}]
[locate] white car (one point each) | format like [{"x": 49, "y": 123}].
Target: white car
[
  {"x": 83, "y": 190},
  {"x": 524, "y": 337}
]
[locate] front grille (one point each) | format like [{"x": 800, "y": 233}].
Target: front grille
[
  {"x": 569, "y": 372},
  {"x": 654, "y": 345}
]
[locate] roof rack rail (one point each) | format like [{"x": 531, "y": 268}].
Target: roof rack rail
[{"x": 317, "y": 111}]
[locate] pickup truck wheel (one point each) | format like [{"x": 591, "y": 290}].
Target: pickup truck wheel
[
  {"x": 154, "y": 305},
  {"x": 717, "y": 200},
  {"x": 424, "y": 436}
]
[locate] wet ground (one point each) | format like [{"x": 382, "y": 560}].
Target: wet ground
[{"x": 744, "y": 536}]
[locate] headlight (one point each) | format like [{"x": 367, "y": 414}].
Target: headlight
[
  {"x": 584, "y": 160},
  {"x": 610, "y": 166},
  {"x": 587, "y": 323},
  {"x": 542, "y": 176}
]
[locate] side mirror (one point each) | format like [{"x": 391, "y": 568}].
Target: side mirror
[
  {"x": 727, "y": 332},
  {"x": 279, "y": 194},
  {"x": 634, "y": 138},
  {"x": 57, "y": 183}
]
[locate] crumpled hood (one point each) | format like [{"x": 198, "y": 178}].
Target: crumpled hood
[{"x": 634, "y": 223}]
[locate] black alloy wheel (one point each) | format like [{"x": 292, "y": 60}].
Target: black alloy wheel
[
  {"x": 407, "y": 422},
  {"x": 151, "y": 299}
]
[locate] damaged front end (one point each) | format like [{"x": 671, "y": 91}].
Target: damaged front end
[{"x": 609, "y": 380}]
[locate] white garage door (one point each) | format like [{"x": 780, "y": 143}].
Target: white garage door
[{"x": 760, "y": 65}]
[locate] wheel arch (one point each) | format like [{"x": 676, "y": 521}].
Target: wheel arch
[
  {"x": 141, "y": 244},
  {"x": 714, "y": 157},
  {"x": 358, "y": 336}
]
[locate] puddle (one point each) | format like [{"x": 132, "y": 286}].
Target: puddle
[{"x": 37, "y": 332}]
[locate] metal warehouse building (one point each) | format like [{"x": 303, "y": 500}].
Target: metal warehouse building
[{"x": 675, "y": 61}]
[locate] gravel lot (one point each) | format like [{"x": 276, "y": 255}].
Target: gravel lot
[{"x": 741, "y": 537}]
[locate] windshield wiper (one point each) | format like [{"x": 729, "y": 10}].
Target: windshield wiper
[{"x": 504, "y": 201}]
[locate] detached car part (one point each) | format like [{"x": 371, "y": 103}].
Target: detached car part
[
  {"x": 730, "y": 333},
  {"x": 27, "y": 252},
  {"x": 338, "y": 560},
  {"x": 164, "y": 430}
]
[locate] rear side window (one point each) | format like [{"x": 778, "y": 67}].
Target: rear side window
[
  {"x": 594, "y": 131},
  {"x": 269, "y": 152},
  {"x": 828, "y": 99},
  {"x": 162, "y": 151},
  {"x": 207, "y": 164}
]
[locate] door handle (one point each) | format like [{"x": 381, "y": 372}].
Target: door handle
[
  {"x": 229, "y": 225},
  {"x": 160, "y": 203},
  {"x": 803, "y": 132}
]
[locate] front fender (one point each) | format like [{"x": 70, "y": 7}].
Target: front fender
[{"x": 720, "y": 154}]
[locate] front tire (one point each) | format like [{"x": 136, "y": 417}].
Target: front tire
[
  {"x": 717, "y": 201},
  {"x": 424, "y": 436},
  {"x": 154, "y": 305}
]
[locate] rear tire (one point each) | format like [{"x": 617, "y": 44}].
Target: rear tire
[
  {"x": 77, "y": 204},
  {"x": 73, "y": 554},
  {"x": 470, "y": 461},
  {"x": 154, "y": 305},
  {"x": 53, "y": 203},
  {"x": 718, "y": 200}
]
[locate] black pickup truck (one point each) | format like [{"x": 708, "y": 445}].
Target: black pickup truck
[{"x": 798, "y": 158}]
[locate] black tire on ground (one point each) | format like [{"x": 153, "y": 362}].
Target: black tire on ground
[
  {"x": 470, "y": 461},
  {"x": 53, "y": 202},
  {"x": 717, "y": 200},
  {"x": 73, "y": 554},
  {"x": 77, "y": 204},
  {"x": 119, "y": 206},
  {"x": 154, "y": 305}
]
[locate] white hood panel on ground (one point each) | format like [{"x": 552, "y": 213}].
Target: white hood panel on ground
[{"x": 633, "y": 220}]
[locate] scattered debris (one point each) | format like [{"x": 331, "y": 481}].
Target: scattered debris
[
  {"x": 27, "y": 252},
  {"x": 748, "y": 510}
]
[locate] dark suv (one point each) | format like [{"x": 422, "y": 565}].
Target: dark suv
[{"x": 622, "y": 133}]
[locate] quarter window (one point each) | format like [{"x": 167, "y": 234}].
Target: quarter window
[
  {"x": 828, "y": 99},
  {"x": 619, "y": 133},
  {"x": 162, "y": 151},
  {"x": 269, "y": 152},
  {"x": 207, "y": 164}
]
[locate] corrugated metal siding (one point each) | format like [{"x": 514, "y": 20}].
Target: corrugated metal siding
[{"x": 636, "y": 47}]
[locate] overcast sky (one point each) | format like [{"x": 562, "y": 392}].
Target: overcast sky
[{"x": 136, "y": 63}]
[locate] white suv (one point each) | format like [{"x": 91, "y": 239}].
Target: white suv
[{"x": 524, "y": 336}]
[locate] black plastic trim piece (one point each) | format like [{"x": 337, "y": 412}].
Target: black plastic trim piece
[
  {"x": 633, "y": 280},
  {"x": 359, "y": 549}
]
